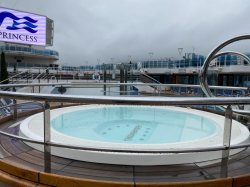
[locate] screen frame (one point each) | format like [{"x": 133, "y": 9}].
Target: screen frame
[{"x": 30, "y": 44}]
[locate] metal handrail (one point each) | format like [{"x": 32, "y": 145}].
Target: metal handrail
[
  {"x": 173, "y": 101},
  {"x": 211, "y": 56},
  {"x": 13, "y": 76},
  {"x": 70, "y": 146},
  {"x": 214, "y": 54},
  {"x": 176, "y": 150},
  {"x": 117, "y": 84},
  {"x": 149, "y": 77},
  {"x": 245, "y": 57},
  {"x": 12, "y": 105},
  {"x": 40, "y": 74},
  {"x": 122, "y": 100}
]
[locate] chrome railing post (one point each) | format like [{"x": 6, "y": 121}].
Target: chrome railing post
[
  {"x": 14, "y": 106},
  {"x": 227, "y": 130},
  {"x": 14, "y": 109},
  {"x": 47, "y": 138},
  {"x": 39, "y": 88},
  {"x": 226, "y": 140},
  {"x": 104, "y": 79},
  {"x": 122, "y": 79}
]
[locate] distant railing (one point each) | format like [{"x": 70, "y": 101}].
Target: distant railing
[
  {"x": 29, "y": 50},
  {"x": 148, "y": 79},
  {"x": 14, "y": 76}
]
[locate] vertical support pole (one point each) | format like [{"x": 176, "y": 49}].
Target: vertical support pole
[
  {"x": 15, "y": 106},
  {"x": 122, "y": 78},
  {"x": 226, "y": 141},
  {"x": 39, "y": 88},
  {"x": 126, "y": 80},
  {"x": 61, "y": 105},
  {"x": 47, "y": 138},
  {"x": 47, "y": 74},
  {"x": 14, "y": 109},
  {"x": 227, "y": 130},
  {"x": 104, "y": 79},
  {"x": 248, "y": 121}
]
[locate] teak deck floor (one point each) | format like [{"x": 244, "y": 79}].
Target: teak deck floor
[{"x": 18, "y": 152}]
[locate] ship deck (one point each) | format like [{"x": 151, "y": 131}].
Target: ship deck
[{"x": 17, "y": 152}]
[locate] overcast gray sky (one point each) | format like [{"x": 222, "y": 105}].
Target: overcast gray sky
[{"x": 87, "y": 30}]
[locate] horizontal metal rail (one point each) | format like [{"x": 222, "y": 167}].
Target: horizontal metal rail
[
  {"x": 26, "y": 103},
  {"x": 68, "y": 146},
  {"x": 117, "y": 84},
  {"x": 14, "y": 76},
  {"x": 173, "y": 101}
]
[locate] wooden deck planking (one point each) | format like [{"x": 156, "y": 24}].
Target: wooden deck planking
[{"x": 25, "y": 155}]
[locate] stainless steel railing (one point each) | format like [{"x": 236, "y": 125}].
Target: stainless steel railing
[
  {"x": 84, "y": 84},
  {"x": 122, "y": 100},
  {"x": 212, "y": 55}
]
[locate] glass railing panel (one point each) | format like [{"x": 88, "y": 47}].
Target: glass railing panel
[{"x": 29, "y": 50}]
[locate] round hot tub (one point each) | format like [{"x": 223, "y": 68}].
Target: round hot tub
[{"x": 141, "y": 128}]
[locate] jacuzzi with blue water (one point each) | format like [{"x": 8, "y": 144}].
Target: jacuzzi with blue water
[{"x": 137, "y": 128}]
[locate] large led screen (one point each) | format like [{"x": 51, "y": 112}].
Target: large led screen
[{"x": 22, "y": 27}]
